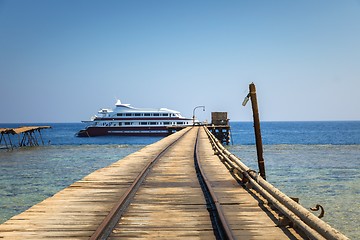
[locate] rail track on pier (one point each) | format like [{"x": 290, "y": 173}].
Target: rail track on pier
[
  {"x": 173, "y": 197},
  {"x": 185, "y": 186},
  {"x": 111, "y": 225}
]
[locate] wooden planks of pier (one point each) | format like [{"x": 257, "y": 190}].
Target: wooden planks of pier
[{"x": 169, "y": 204}]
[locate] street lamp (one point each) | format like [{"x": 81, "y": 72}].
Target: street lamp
[
  {"x": 203, "y": 107},
  {"x": 258, "y": 139}
]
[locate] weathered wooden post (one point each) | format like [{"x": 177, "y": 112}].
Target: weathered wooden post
[
  {"x": 41, "y": 137},
  {"x": 12, "y": 147},
  {"x": 259, "y": 148}
]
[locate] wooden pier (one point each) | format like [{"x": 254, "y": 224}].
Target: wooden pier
[
  {"x": 176, "y": 188},
  {"x": 26, "y": 136}
]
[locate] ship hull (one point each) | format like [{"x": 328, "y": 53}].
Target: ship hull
[{"x": 122, "y": 131}]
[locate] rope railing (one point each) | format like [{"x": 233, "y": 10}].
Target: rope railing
[{"x": 311, "y": 225}]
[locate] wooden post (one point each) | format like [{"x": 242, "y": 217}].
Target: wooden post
[
  {"x": 23, "y": 140},
  {"x": 12, "y": 147},
  {"x": 41, "y": 137},
  {"x": 259, "y": 148},
  {"x": 3, "y": 137},
  {"x": 34, "y": 138}
]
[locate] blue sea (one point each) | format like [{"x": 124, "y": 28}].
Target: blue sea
[{"x": 318, "y": 162}]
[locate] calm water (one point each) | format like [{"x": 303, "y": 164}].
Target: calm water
[{"x": 315, "y": 161}]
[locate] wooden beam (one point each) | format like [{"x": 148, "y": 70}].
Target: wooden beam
[{"x": 258, "y": 139}]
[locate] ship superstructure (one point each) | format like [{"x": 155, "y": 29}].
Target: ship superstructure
[{"x": 127, "y": 120}]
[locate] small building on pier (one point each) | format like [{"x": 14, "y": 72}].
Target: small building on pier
[{"x": 219, "y": 127}]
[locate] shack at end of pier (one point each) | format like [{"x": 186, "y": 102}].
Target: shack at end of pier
[{"x": 219, "y": 127}]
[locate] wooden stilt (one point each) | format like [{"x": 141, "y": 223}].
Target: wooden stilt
[
  {"x": 19, "y": 139},
  {"x": 23, "y": 140},
  {"x": 3, "y": 137},
  {"x": 41, "y": 137},
  {"x": 12, "y": 147}
]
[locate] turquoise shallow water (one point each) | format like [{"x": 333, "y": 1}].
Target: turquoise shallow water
[{"x": 315, "y": 161}]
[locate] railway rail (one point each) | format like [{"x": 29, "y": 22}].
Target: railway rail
[{"x": 222, "y": 229}]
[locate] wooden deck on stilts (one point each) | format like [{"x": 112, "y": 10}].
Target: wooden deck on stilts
[
  {"x": 168, "y": 205},
  {"x": 26, "y": 136}
]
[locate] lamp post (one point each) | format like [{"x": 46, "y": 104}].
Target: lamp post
[
  {"x": 258, "y": 139},
  {"x": 203, "y": 107}
]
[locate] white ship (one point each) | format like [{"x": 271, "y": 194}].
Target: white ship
[{"x": 129, "y": 121}]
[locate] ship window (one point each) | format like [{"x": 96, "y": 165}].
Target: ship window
[
  {"x": 152, "y": 123},
  {"x": 119, "y": 114},
  {"x": 128, "y": 114},
  {"x": 156, "y": 114},
  {"x": 137, "y": 114},
  {"x": 167, "y": 123},
  {"x": 179, "y": 123},
  {"x": 128, "y": 123},
  {"x": 146, "y": 114},
  {"x": 120, "y": 124},
  {"x": 143, "y": 123},
  {"x": 165, "y": 114}
]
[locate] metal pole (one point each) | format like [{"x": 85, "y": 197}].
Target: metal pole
[
  {"x": 194, "y": 112},
  {"x": 259, "y": 148}
]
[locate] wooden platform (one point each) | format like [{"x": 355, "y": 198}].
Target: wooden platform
[
  {"x": 21, "y": 129},
  {"x": 26, "y": 136},
  {"x": 169, "y": 205}
]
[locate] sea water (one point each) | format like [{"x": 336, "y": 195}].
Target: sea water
[{"x": 317, "y": 162}]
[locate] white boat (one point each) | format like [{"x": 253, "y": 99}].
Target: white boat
[{"x": 127, "y": 120}]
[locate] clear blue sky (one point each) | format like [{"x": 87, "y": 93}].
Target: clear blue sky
[{"x": 60, "y": 61}]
